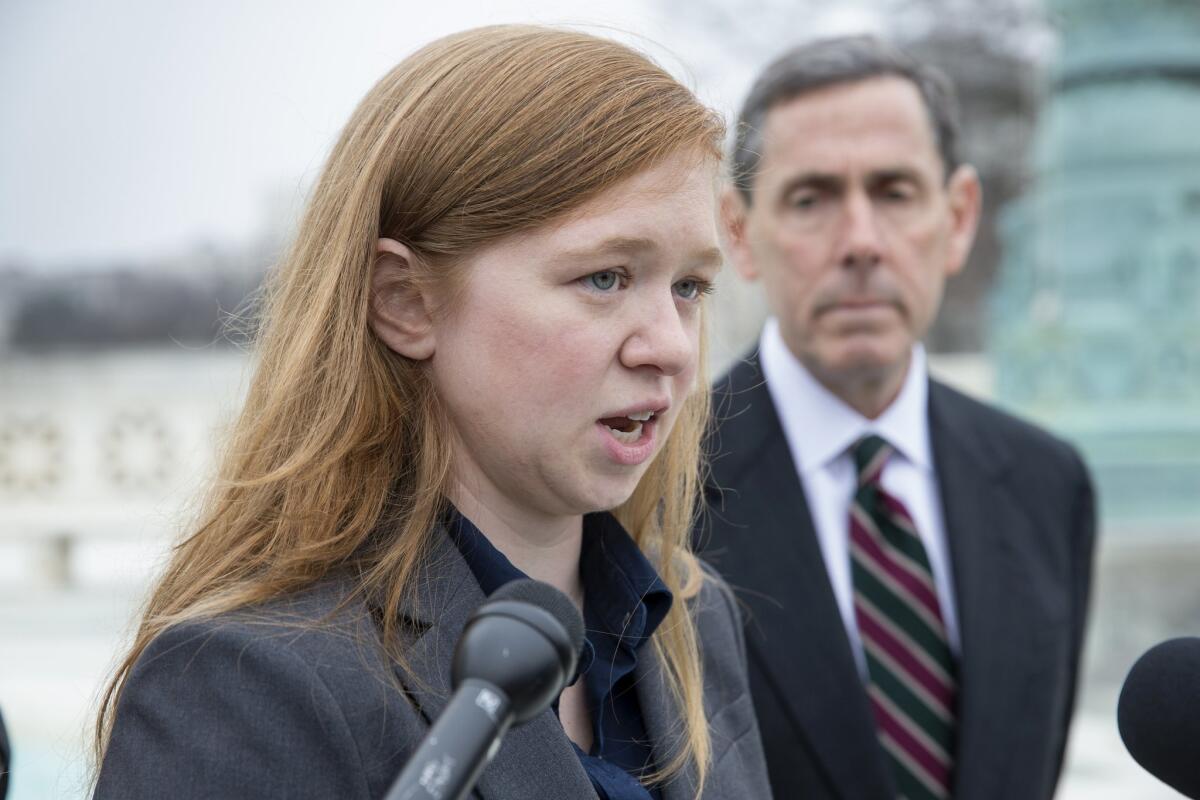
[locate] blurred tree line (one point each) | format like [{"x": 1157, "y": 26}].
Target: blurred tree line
[{"x": 126, "y": 306}]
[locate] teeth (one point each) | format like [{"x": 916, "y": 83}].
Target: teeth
[
  {"x": 642, "y": 416},
  {"x": 628, "y": 437}
]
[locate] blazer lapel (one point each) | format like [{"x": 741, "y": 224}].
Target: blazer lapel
[
  {"x": 535, "y": 759},
  {"x": 794, "y": 627},
  {"x": 997, "y": 614},
  {"x": 661, "y": 717}
]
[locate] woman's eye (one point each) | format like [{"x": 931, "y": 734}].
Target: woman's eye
[
  {"x": 603, "y": 281},
  {"x": 693, "y": 288}
]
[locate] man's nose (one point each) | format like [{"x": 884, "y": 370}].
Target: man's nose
[{"x": 861, "y": 240}]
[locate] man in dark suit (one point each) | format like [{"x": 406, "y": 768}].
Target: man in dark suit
[{"x": 916, "y": 564}]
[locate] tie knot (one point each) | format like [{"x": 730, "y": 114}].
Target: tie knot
[{"x": 871, "y": 452}]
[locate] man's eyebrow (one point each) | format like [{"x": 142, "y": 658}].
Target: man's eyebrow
[
  {"x": 833, "y": 182},
  {"x": 812, "y": 180},
  {"x": 896, "y": 174}
]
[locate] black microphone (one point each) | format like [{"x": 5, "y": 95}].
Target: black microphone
[
  {"x": 5, "y": 759},
  {"x": 1158, "y": 713},
  {"x": 515, "y": 655}
]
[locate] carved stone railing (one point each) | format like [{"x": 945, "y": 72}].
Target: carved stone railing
[{"x": 106, "y": 448}]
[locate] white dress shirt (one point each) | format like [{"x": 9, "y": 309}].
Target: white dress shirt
[{"x": 820, "y": 430}]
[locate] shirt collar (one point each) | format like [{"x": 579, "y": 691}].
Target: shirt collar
[
  {"x": 820, "y": 426},
  {"x": 623, "y": 593},
  {"x": 621, "y": 587},
  {"x": 491, "y": 567}
]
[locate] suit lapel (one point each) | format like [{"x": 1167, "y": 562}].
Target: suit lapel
[
  {"x": 794, "y": 627},
  {"x": 535, "y": 759},
  {"x": 661, "y": 717},
  {"x": 996, "y": 613}
]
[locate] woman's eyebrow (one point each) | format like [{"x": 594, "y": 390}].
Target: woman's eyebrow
[
  {"x": 636, "y": 245},
  {"x": 614, "y": 245},
  {"x": 708, "y": 257}
]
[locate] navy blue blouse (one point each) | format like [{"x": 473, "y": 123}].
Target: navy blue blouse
[{"x": 624, "y": 602}]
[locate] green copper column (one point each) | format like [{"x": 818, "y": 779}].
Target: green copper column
[{"x": 1095, "y": 327}]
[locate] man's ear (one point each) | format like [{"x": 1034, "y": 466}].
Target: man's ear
[
  {"x": 965, "y": 195},
  {"x": 733, "y": 231},
  {"x": 400, "y": 312}
]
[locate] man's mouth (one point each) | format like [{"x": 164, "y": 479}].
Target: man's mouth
[
  {"x": 628, "y": 429},
  {"x": 864, "y": 301},
  {"x": 859, "y": 305}
]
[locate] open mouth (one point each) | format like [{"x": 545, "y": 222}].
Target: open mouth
[{"x": 628, "y": 429}]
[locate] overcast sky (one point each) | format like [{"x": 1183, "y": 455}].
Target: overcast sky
[{"x": 137, "y": 129}]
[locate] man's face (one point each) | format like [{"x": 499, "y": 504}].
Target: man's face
[{"x": 853, "y": 227}]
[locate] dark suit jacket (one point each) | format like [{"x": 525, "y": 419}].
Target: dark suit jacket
[
  {"x": 1018, "y": 510},
  {"x": 296, "y": 699}
]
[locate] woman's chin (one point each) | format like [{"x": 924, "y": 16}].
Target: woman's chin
[{"x": 609, "y": 492}]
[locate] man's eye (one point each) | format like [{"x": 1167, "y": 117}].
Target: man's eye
[
  {"x": 603, "y": 281},
  {"x": 803, "y": 201}
]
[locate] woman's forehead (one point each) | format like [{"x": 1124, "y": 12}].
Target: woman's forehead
[{"x": 649, "y": 210}]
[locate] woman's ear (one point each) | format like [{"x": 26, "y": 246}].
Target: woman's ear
[{"x": 400, "y": 312}]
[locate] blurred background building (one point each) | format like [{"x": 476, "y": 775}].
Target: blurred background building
[
  {"x": 124, "y": 310},
  {"x": 1095, "y": 324}
]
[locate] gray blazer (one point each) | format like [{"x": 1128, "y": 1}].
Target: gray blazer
[{"x": 297, "y": 700}]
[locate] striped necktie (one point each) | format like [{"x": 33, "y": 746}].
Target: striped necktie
[{"x": 912, "y": 676}]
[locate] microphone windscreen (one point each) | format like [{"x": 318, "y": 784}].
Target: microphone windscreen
[
  {"x": 1158, "y": 713},
  {"x": 549, "y": 599}
]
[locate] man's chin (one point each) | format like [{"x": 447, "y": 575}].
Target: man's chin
[
  {"x": 865, "y": 355},
  {"x": 863, "y": 359}
]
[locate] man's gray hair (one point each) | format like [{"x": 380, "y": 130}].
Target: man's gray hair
[{"x": 832, "y": 61}]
